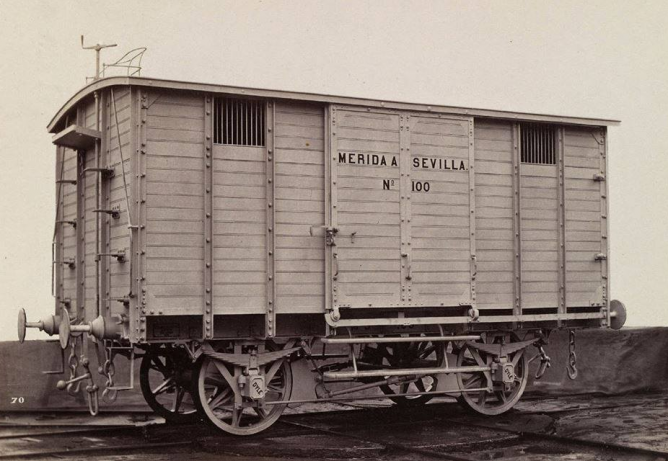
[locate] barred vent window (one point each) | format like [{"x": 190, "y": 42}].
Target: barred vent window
[
  {"x": 538, "y": 143},
  {"x": 238, "y": 122}
]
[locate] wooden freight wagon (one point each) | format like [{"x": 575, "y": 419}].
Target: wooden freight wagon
[{"x": 229, "y": 231}]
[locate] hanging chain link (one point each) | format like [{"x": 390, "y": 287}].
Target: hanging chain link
[
  {"x": 572, "y": 358},
  {"x": 92, "y": 389},
  {"x": 109, "y": 370},
  {"x": 545, "y": 361},
  {"x": 73, "y": 362}
]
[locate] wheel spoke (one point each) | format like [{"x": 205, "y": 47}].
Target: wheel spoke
[
  {"x": 420, "y": 385},
  {"x": 220, "y": 398},
  {"x": 274, "y": 388},
  {"x": 273, "y": 370},
  {"x": 475, "y": 381},
  {"x": 160, "y": 366},
  {"x": 237, "y": 413},
  {"x": 178, "y": 399},
  {"x": 215, "y": 381},
  {"x": 165, "y": 386},
  {"x": 427, "y": 351}
]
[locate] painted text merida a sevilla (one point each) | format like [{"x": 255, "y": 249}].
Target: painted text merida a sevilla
[{"x": 427, "y": 163}]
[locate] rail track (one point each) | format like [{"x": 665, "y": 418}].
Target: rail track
[
  {"x": 437, "y": 431},
  {"x": 480, "y": 449}
]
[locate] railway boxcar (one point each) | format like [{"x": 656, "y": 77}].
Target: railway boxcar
[{"x": 224, "y": 232}]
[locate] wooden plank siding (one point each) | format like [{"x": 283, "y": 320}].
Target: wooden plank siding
[
  {"x": 239, "y": 229},
  {"x": 368, "y": 216},
  {"x": 67, "y": 235},
  {"x": 494, "y": 214},
  {"x": 439, "y": 218},
  {"x": 584, "y": 157},
  {"x": 88, "y": 229},
  {"x": 117, "y": 231},
  {"x": 299, "y": 205},
  {"x": 235, "y": 230},
  {"x": 539, "y": 235},
  {"x": 174, "y": 203}
]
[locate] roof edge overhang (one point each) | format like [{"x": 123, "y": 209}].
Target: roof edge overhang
[{"x": 313, "y": 97}]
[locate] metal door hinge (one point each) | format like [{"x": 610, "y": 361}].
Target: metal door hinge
[
  {"x": 119, "y": 255},
  {"x": 115, "y": 214},
  {"x": 600, "y": 257},
  {"x": 599, "y": 177},
  {"x": 71, "y": 223},
  {"x": 70, "y": 262},
  {"x": 105, "y": 171}
]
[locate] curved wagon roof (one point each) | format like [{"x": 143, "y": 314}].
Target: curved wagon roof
[{"x": 313, "y": 97}]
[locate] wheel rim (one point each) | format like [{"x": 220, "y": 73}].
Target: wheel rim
[
  {"x": 408, "y": 355},
  {"x": 166, "y": 383},
  {"x": 221, "y": 404},
  {"x": 501, "y": 399}
]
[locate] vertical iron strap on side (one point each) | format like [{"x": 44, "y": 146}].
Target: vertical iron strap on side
[
  {"x": 472, "y": 214},
  {"x": 405, "y": 182},
  {"x": 270, "y": 317},
  {"x": 561, "y": 218},
  {"x": 605, "y": 245},
  {"x": 133, "y": 208},
  {"x": 104, "y": 119},
  {"x": 208, "y": 314},
  {"x": 80, "y": 234},
  {"x": 603, "y": 150},
  {"x": 333, "y": 175},
  {"x": 98, "y": 216},
  {"x": 138, "y": 329},
  {"x": 57, "y": 251},
  {"x": 517, "y": 223},
  {"x": 329, "y": 153}
]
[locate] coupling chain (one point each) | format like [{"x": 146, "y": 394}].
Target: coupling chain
[
  {"x": 572, "y": 358},
  {"x": 91, "y": 388},
  {"x": 73, "y": 361},
  {"x": 109, "y": 370},
  {"x": 545, "y": 361}
]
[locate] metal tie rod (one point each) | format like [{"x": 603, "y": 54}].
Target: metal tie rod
[
  {"x": 401, "y": 372},
  {"x": 401, "y": 339}
]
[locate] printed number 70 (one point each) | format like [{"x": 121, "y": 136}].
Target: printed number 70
[{"x": 18, "y": 400}]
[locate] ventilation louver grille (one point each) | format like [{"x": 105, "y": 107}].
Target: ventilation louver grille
[
  {"x": 538, "y": 143},
  {"x": 238, "y": 122}
]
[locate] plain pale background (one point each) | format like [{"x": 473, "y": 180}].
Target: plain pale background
[{"x": 606, "y": 59}]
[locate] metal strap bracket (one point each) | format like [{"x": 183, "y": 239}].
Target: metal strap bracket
[
  {"x": 115, "y": 214},
  {"x": 72, "y": 223},
  {"x": 105, "y": 171},
  {"x": 119, "y": 255}
]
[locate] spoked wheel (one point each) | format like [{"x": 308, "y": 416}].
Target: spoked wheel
[
  {"x": 166, "y": 381},
  {"x": 417, "y": 354},
  {"x": 228, "y": 410},
  {"x": 503, "y": 397}
]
